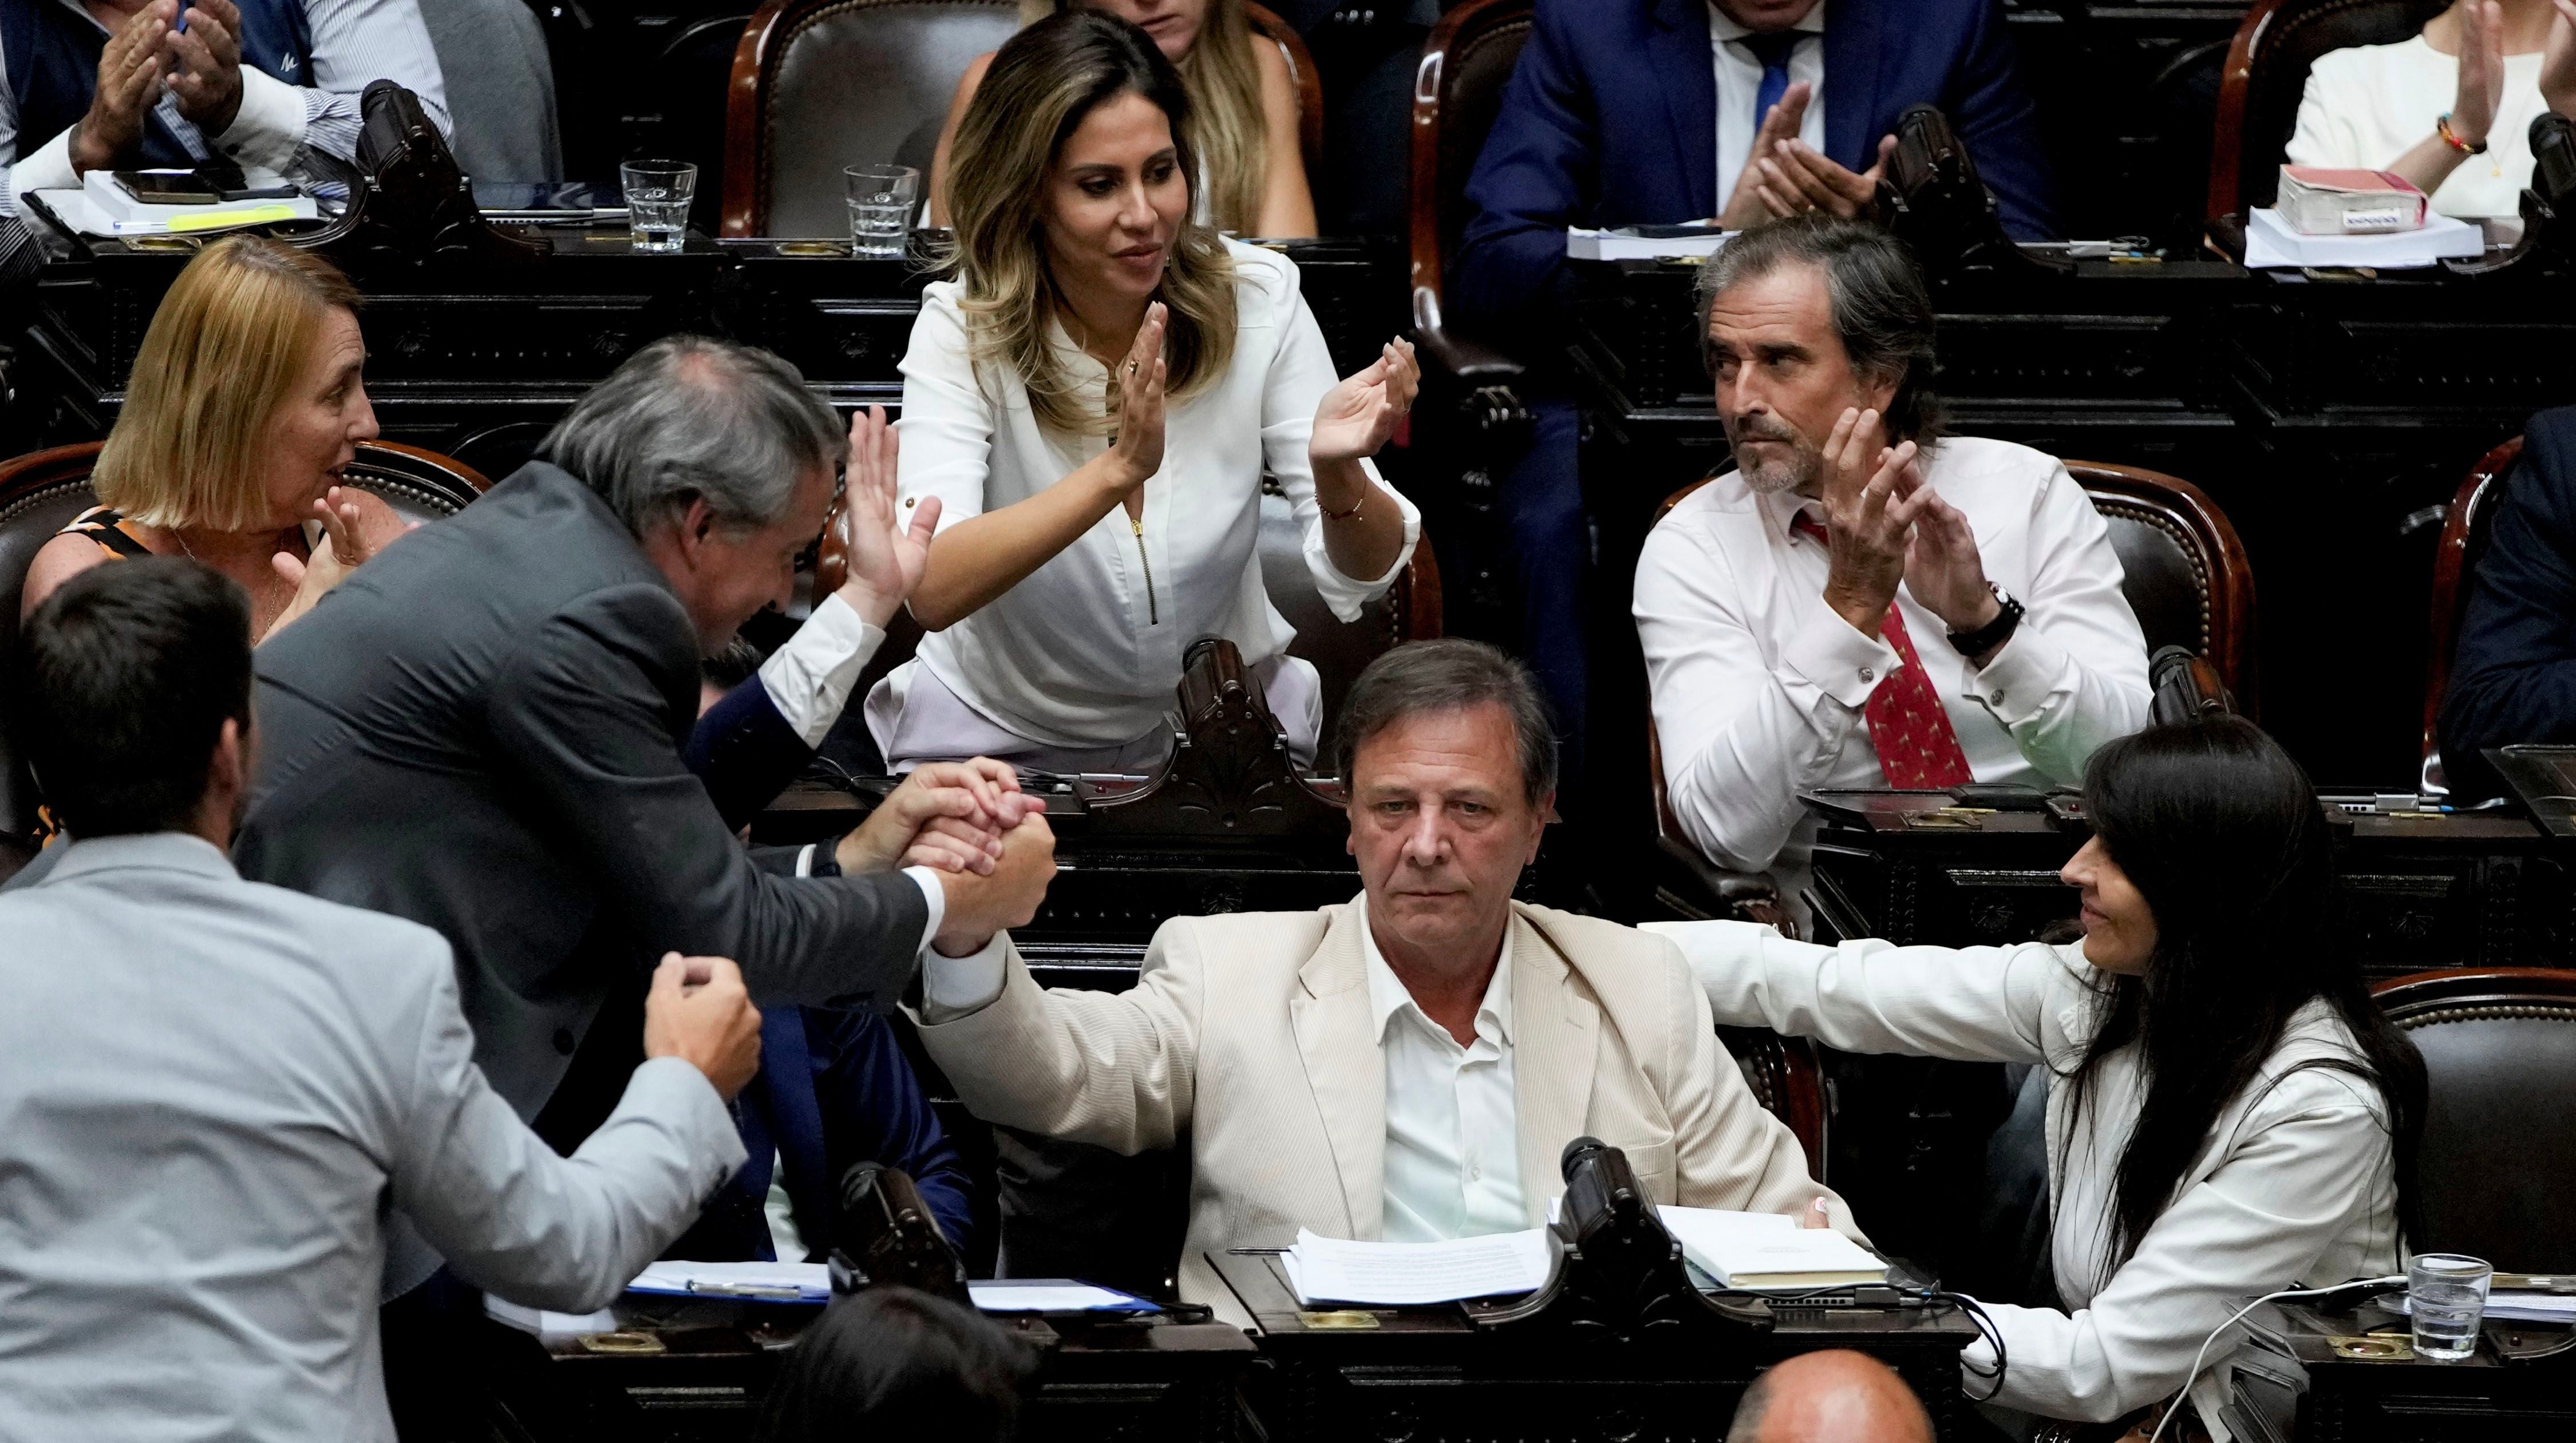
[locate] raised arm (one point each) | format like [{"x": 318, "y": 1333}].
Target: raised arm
[
  {"x": 1972, "y": 1004},
  {"x": 1318, "y": 437},
  {"x": 1287, "y": 205},
  {"x": 559, "y": 1232},
  {"x": 947, "y": 449},
  {"x": 2074, "y": 674},
  {"x": 584, "y": 716},
  {"x": 1118, "y": 1069}
]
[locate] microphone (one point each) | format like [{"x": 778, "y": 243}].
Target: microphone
[
  {"x": 2182, "y": 686},
  {"x": 2553, "y": 160},
  {"x": 884, "y": 1235},
  {"x": 1601, "y": 1189}
]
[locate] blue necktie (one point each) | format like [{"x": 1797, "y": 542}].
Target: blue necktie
[{"x": 1773, "y": 51}]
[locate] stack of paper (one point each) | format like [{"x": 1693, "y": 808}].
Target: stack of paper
[
  {"x": 1644, "y": 243},
  {"x": 1053, "y": 1295},
  {"x": 2270, "y": 241},
  {"x": 2512, "y": 1307},
  {"x": 1769, "y": 1250},
  {"x": 1397, "y": 1275}
]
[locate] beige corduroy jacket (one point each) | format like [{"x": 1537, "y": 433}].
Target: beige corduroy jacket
[{"x": 1252, "y": 1036}]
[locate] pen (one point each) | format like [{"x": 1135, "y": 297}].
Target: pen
[{"x": 789, "y": 1292}]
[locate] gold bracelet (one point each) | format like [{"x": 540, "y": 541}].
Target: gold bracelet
[{"x": 1332, "y": 515}]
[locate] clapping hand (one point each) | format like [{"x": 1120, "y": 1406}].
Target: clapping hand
[
  {"x": 1360, "y": 415},
  {"x": 883, "y": 556},
  {"x": 1780, "y": 123},
  {"x": 1140, "y": 379},
  {"x": 205, "y": 71},
  {"x": 344, "y": 545},
  {"x": 1943, "y": 568},
  {"x": 129, "y": 85},
  {"x": 1791, "y": 178}
]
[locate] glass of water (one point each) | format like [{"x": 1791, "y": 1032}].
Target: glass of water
[
  {"x": 2447, "y": 1295},
  {"x": 881, "y": 205},
  {"x": 658, "y": 193}
]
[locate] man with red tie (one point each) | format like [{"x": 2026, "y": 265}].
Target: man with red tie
[{"x": 1864, "y": 602}]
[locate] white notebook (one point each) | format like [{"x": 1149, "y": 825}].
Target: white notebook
[{"x": 1769, "y": 1250}]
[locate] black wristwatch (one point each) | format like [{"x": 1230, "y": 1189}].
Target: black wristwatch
[{"x": 1994, "y": 633}]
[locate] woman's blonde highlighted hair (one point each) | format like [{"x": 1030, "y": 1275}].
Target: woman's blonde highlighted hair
[
  {"x": 1043, "y": 81},
  {"x": 1231, "y": 132},
  {"x": 224, "y": 350}
]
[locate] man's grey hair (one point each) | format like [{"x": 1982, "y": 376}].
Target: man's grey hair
[
  {"x": 1452, "y": 674},
  {"x": 1882, "y": 313},
  {"x": 689, "y": 417}
]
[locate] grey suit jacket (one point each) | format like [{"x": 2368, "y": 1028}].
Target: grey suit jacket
[
  {"x": 481, "y": 730},
  {"x": 211, "y": 1093}
]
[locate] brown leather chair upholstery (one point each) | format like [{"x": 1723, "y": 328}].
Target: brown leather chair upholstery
[
  {"x": 2267, "y": 72},
  {"x": 2184, "y": 570},
  {"x": 823, "y": 84},
  {"x": 2455, "y": 561},
  {"x": 2495, "y": 1176},
  {"x": 41, "y": 492}
]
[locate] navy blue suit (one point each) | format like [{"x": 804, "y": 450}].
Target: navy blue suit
[
  {"x": 2513, "y": 676},
  {"x": 834, "y": 1086},
  {"x": 1610, "y": 119},
  {"x": 834, "y": 1089}
]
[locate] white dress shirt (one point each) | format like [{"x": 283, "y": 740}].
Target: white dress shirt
[
  {"x": 355, "y": 43},
  {"x": 2296, "y": 1185},
  {"x": 1086, "y": 650},
  {"x": 2366, "y": 105},
  {"x": 1739, "y": 85},
  {"x": 1759, "y": 686},
  {"x": 1453, "y": 1156}
]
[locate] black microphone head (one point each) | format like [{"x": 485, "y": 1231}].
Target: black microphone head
[
  {"x": 2166, "y": 661},
  {"x": 1574, "y": 1154},
  {"x": 2548, "y": 128}
]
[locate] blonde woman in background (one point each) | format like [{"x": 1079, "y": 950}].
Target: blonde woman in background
[
  {"x": 1252, "y": 167},
  {"x": 245, "y": 407},
  {"x": 1092, "y": 400}
]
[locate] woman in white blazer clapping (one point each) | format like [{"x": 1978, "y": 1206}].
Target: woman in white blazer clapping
[{"x": 2228, "y": 1115}]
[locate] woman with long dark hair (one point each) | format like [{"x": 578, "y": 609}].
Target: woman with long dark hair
[{"x": 2228, "y": 1114}]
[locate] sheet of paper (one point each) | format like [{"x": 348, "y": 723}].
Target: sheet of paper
[
  {"x": 1050, "y": 1295},
  {"x": 2518, "y": 1307},
  {"x": 780, "y": 1282},
  {"x": 1725, "y": 1244},
  {"x": 1406, "y": 1274}
]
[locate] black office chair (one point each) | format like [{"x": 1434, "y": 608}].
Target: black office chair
[
  {"x": 41, "y": 492},
  {"x": 2267, "y": 72},
  {"x": 2495, "y": 1176}
]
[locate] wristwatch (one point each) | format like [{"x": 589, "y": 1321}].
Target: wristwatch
[{"x": 1994, "y": 633}]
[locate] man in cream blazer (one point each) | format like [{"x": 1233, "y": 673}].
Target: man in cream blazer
[{"x": 1408, "y": 1065}]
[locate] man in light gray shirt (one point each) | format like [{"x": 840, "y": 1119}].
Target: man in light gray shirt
[{"x": 212, "y": 1092}]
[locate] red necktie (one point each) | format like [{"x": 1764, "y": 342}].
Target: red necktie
[{"x": 1918, "y": 750}]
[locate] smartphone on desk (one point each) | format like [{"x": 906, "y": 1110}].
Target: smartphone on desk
[{"x": 167, "y": 187}]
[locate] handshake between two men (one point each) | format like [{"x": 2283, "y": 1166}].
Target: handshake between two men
[{"x": 969, "y": 822}]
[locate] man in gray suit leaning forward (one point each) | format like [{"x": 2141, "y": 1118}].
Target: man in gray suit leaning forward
[
  {"x": 211, "y": 1090},
  {"x": 1407, "y": 1066}
]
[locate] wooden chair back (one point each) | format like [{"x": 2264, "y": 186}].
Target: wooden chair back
[
  {"x": 1457, "y": 91},
  {"x": 2266, "y": 74},
  {"x": 2455, "y": 565}
]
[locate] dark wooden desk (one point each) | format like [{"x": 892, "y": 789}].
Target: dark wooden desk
[
  {"x": 1097, "y": 1379},
  {"x": 2519, "y": 1388},
  {"x": 1429, "y": 1375},
  {"x": 2421, "y": 890}
]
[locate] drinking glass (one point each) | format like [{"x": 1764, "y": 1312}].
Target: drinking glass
[
  {"x": 658, "y": 193},
  {"x": 2447, "y": 1295},
  {"x": 881, "y": 204}
]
